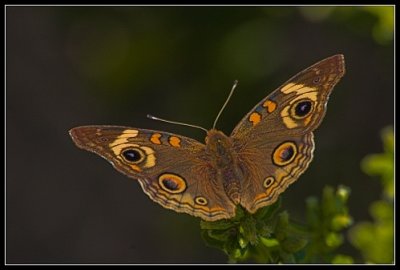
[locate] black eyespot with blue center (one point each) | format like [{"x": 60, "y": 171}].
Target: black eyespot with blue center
[
  {"x": 283, "y": 155},
  {"x": 133, "y": 155},
  {"x": 170, "y": 184},
  {"x": 286, "y": 153},
  {"x": 303, "y": 108}
]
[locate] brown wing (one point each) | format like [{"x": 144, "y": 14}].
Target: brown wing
[
  {"x": 275, "y": 140},
  {"x": 171, "y": 169}
]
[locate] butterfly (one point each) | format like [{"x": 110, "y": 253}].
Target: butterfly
[{"x": 266, "y": 152}]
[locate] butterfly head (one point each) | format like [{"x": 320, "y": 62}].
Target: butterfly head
[
  {"x": 219, "y": 144},
  {"x": 215, "y": 136}
]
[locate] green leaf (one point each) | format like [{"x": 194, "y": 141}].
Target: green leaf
[
  {"x": 293, "y": 244},
  {"x": 333, "y": 239},
  {"x": 269, "y": 242},
  {"x": 341, "y": 221},
  {"x": 282, "y": 226},
  {"x": 342, "y": 259},
  {"x": 383, "y": 164},
  {"x": 382, "y": 211},
  {"x": 375, "y": 242}
]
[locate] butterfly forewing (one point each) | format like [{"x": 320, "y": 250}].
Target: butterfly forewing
[
  {"x": 275, "y": 140},
  {"x": 171, "y": 169},
  {"x": 286, "y": 109}
]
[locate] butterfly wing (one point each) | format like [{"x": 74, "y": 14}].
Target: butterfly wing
[
  {"x": 275, "y": 141},
  {"x": 172, "y": 170}
]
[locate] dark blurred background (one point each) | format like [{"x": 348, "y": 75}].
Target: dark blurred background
[{"x": 71, "y": 66}]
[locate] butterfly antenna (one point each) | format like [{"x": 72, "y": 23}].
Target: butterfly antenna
[
  {"x": 176, "y": 123},
  {"x": 226, "y": 102}
]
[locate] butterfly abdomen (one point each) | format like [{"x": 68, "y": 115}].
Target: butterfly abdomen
[
  {"x": 224, "y": 162},
  {"x": 230, "y": 178}
]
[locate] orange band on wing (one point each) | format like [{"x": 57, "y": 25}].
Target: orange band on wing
[
  {"x": 174, "y": 141},
  {"x": 270, "y": 106},
  {"x": 155, "y": 138},
  {"x": 255, "y": 118}
]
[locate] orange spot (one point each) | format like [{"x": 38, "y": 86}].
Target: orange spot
[
  {"x": 155, "y": 138},
  {"x": 136, "y": 168},
  {"x": 270, "y": 106},
  {"x": 255, "y": 118},
  {"x": 175, "y": 141}
]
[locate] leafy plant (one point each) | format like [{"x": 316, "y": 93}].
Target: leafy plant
[
  {"x": 269, "y": 236},
  {"x": 375, "y": 239}
]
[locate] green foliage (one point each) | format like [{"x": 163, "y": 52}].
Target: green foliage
[
  {"x": 248, "y": 235},
  {"x": 380, "y": 19},
  {"x": 383, "y": 164},
  {"x": 269, "y": 236},
  {"x": 383, "y": 29},
  {"x": 326, "y": 218},
  {"x": 342, "y": 259},
  {"x": 375, "y": 239}
]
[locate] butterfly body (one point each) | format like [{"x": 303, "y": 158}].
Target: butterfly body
[
  {"x": 224, "y": 163},
  {"x": 266, "y": 152}
]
